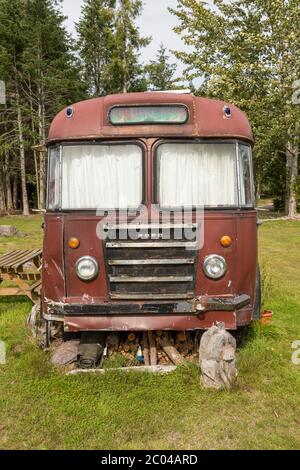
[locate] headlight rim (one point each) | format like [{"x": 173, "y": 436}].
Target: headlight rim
[
  {"x": 94, "y": 261},
  {"x": 206, "y": 261}
]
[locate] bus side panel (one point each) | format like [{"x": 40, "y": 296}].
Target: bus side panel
[
  {"x": 85, "y": 229},
  {"x": 217, "y": 225},
  {"x": 53, "y": 272},
  {"x": 246, "y": 257}
]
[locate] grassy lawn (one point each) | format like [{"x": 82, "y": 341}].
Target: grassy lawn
[{"x": 42, "y": 409}]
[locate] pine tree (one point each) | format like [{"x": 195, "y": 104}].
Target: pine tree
[
  {"x": 95, "y": 43},
  {"x": 50, "y": 75},
  {"x": 12, "y": 45},
  {"x": 41, "y": 75},
  {"x": 126, "y": 72},
  {"x": 160, "y": 73}
]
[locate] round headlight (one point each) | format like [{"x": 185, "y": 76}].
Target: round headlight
[
  {"x": 214, "y": 266},
  {"x": 87, "y": 268}
]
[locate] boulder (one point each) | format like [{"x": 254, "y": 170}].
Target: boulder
[
  {"x": 8, "y": 231},
  {"x": 66, "y": 353}
]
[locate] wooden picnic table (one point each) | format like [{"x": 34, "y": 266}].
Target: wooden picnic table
[{"x": 22, "y": 268}]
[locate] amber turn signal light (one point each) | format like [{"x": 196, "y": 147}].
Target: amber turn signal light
[
  {"x": 74, "y": 243},
  {"x": 226, "y": 241}
]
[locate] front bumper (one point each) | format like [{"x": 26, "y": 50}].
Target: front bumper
[{"x": 198, "y": 313}]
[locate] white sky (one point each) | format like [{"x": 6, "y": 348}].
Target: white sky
[{"x": 156, "y": 21}]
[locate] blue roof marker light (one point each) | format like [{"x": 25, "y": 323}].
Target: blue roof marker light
[
  {"x": 70, "y": 112},
  {"x": 227, "y": 112}
]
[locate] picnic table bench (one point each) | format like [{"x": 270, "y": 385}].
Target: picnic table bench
[{"x": 22, "y": 268}]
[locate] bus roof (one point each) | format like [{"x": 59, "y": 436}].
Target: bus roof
[{"x": 89, "y": 120}]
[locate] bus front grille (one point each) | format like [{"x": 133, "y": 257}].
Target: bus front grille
[{"x": 150, "y": 268}]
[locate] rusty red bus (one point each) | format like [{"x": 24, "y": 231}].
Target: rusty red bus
[{"x": 132, "y": 178}]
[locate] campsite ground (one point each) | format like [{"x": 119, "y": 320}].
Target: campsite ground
[{"x": 40, "y": 408}]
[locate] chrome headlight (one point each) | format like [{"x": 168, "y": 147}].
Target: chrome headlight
[
  {"x": 214, "y": 266},
  {"x": 87, "y": 268}
]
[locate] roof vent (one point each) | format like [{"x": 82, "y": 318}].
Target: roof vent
[{"x": 182, "y": 92}]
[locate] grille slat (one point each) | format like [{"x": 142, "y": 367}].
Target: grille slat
[
  {"x": 151, "y": 279},
  {"x": 134, "y": 296},
  {"x": 152, "y": 244},
  {"x": 127, "y": 262}
]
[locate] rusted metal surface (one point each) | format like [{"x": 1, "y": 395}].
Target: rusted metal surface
[
  {"x": 149, "y": 322},
  {"x": 241, "y": 259},
  {"x": 124, "y": 295},
  {"x": 222, "y": 303},
  {"x": 206, "y": 119}
]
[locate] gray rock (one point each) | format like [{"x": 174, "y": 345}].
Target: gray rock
[
  {"x": 217, "y": 358},
  {"x": 65, "y": 353},
  {"x": 8, "y": 231}
]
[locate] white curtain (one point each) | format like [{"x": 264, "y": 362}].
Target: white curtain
[
  {"x": 102, "y": 176},
  {"x": 197, "y": 175}
]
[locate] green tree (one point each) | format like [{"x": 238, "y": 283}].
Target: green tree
[
  {"x": 95, "y": 43},
  {"x": 160, "y": 72},
  {"x": 126, "y": 72},
  {"x": 42, "y": 75},
  {"x": 12, "y": 45},
  {"x": 248, "y": 52},
  {"x": 50, "y": 75}
]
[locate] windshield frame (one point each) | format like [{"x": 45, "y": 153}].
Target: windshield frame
[
  {"x": 236, "y": 142},
  {"x": 61, "y": 145}
]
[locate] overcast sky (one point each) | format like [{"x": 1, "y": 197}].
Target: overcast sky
[{"x": 156, "y": 21}]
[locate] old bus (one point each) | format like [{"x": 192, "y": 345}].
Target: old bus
[{"x": 150, "y": 221}]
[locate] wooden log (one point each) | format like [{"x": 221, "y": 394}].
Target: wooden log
[
  {"x": 161, "y": 369},
  {"x": 152, "y": 349},
  {"x": 172, "y": 352},
  {"x": 146, "y": 349},
  {"x": 113, "y": 340}
]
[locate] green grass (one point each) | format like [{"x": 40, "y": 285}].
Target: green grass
[
  {"x": 30, "y": 226},
  {"x": 40, "y": 408}
]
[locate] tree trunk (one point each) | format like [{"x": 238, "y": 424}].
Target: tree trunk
[
  {"x": 15, "y": 192},
  {"x": 291, "y": 179},
  {"x": 7, "y": 175},
  {"x": 3, "y": 207},
  {"x": 35, "y": 153},
  {"x": 9, "y": 201},
  {"x": 258, "y": 191},
  {"x": 21, "y": 149},
  {"x": 42, "y": 140}
]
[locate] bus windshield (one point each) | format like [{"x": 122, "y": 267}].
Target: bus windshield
[
  {"x": 98, "y": 176},
  {"x": 202, "y": 174},
  {"x": 107, "y": 176}
]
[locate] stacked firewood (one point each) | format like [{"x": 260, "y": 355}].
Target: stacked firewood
[{"x": 153, "y": 347}]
